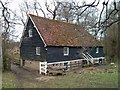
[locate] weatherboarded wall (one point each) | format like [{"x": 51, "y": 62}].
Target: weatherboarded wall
[
  {"x": 99, "y": 54},
  {"x": 29, "y": 44},
  {"x": 55, "y": 54}
]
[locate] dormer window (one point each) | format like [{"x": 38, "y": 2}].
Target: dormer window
[{"x": 30, "y": 32}]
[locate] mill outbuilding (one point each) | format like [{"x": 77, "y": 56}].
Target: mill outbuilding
[{"x": 50, "y": 41}]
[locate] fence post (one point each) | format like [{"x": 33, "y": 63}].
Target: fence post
[
  {"x": 40, "y": 67},
  {"x": 21, "y": 62},
  {"x": 45, "y": 68},
  {"x": 69, "y": 64}
]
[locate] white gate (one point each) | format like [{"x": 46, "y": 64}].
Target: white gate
[{"x": 43, "y": 67}]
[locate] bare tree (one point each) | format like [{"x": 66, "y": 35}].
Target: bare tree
[
  {"x": 5, "y": 34},
  {"x": 111, "y": 36},
  {"x": 38, "y": 8},
  {"x": 26, "y": 8},
  {"x": 24, "y": 11},
  {"x": 118, "y": 39},
  {"x": 7, "y": 24},
  {"x": 101, "y": 22},
  {"x": 1, "y": 60},
  {"x": 53, "y": 11},
  {"x": 88, "y": 19},
  {"x": 73, "y": 12},
  {"x": 66, "y": 12},
  {"x": 104, "y": 24}
]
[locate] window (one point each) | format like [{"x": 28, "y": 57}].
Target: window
[
  {"x": 97, "y": 50},
  {"x": 66, "y": 51},
  {"x": 30, "y": 33},
  {"x": 37, "y": 50}
]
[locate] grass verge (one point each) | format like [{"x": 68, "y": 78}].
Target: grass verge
[{"x": 9, "y": 80}]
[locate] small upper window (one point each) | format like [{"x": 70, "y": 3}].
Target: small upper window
[
  {"x": 97, "y": 50},
  {"x": 30, "y": 32},
  {"x": 66, "y": 51},
  {"x": 37, "y": 50}
]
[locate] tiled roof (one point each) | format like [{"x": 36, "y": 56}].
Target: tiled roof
[{"x": 57, "y": 33}]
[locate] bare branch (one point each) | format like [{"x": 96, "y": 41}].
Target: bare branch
[
  {"x": 41, "y": 10},
  {"x": 88, "y": 5},
  {"x": 110, "y": 24},
  {"x": 54, "y": 11}
]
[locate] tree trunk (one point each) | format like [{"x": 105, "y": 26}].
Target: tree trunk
[
  {"x": 118, "y": 47},
  {"x": 1, "y": 60},
  {"x": 6, "y": 54},
  {"x": 1, "y": 57}
]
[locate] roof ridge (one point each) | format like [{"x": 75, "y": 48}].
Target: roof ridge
[{"x": 56, "y": 20}]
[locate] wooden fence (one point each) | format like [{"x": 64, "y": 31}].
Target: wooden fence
[{"x": 43, "y": 66}]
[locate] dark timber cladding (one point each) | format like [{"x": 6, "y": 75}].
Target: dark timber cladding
[
  {"x": 29, "y": 44},
  {"x": 52, "y": 37},
  {"x": 56, "y": 53}
]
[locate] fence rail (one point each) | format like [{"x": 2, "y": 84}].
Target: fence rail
[{"x": 43, "y": 65}]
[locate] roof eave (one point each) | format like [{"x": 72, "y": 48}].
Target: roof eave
[
  {"x": 38, "y": 31},
  {"x": 23, "y": 31}
]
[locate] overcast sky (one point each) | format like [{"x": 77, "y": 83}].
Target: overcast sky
[{"x": 14, "y": 4}]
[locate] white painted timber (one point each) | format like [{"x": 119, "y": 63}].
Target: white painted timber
[{"x": 43, "y": 67}]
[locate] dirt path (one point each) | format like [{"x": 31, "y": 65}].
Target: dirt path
[
  {"x": 23, "y": 75},
  {"x": 17, "y": 71}
]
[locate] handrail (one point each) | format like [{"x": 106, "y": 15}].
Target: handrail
[
  {"x": 89, "y": 54},
  {"x": 88, "y": 57}
]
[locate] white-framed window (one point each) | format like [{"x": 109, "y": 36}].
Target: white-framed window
[
  {"x": 37, "y": 50},
  {"x": 30, "y": 32},
  {"x": 66, "y": 51},
  {"x": 97, "y": 50}
]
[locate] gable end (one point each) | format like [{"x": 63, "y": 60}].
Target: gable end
[{"x": 35, "y": 28}]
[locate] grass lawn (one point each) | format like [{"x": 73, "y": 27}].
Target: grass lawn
[
  {"x": 9, "y": 80},
  {"x": 99, "y": 80},
  {"x": 0, "y": 80},
  {"x": 71, "y": 80}
]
